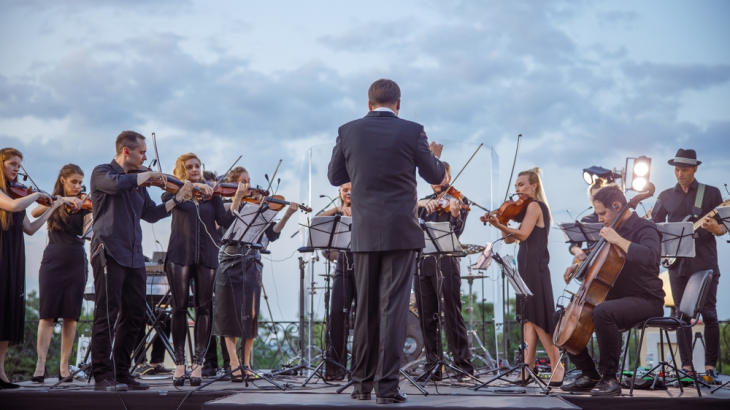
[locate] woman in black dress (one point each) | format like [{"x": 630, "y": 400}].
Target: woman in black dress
[
  {"x": 192, "y": 254},
  {"x": 532, "y": 262},
  {"x": 63, "y": 273},
  {"x": 238, "y": 288},
  {"x": 343, "y": 294},
  {"x": 13, "y": 223}
]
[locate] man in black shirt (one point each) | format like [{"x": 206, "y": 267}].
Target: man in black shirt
[
  {"x": 427, "y": 286},
  {"x": 119, "y": 202},
  {"x": 636, "y": 295},
  {"x": 675, "y": 205}
]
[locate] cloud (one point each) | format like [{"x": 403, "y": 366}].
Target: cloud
[{"x": 617, "y": 18}]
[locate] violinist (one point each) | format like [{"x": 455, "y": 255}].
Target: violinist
[
  {"x": 636, "y": 295},
  {"x": 193, "y": 256},
  {"x": 428, "y": 293},
  {"x": 120, "y": 200},
  {"x": 13, "y": 223},
  {"x": 576, "y": 247},
  {"x": 343, "y": 294},
  {"x": 63, "y": 273},
  {"x": 532, "y": 262},
  {"x": 238, "y": 286}
]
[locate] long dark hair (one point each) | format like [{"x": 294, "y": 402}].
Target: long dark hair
[{"x": 60, "y": 214}]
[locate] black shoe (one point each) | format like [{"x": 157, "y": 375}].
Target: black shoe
[
  {"x": 6, "y": 385},
  {"x": 133, "y": 384},
  {"x": 435, "y": 378},
  {"x": 357, "y": 395},
  {"x": 40, "y": 379},
  {"x": 179, "y": 381},
  {"x": 195, "y": 381},
  {"x": 712, "y": 377},
  {"x": 398, "y": 398},
  {"x": 68, "y": 380},
  {"x": 110, "y": 385},
  {"x": 237, "y": 378},
  {"x": 555, "y": 384},
  {"x": 608, "y": 386},
  {"x": 209, "y": 370},
  {"x": 161, "y": 369},
  {"x": 582, "y": 384}
]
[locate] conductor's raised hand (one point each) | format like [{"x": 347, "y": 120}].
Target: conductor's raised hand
[{"x": 436, "y": 149}]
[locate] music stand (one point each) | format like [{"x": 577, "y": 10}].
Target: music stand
[
  {"x": 673, "y": 243},
  {"x": 522, "y": 292},
  {"x": 724, "y": 213},
  {"x": 440, "y": 241},
  {"x": 328, "y": 233},
  {"x": 581, "y": 232},
  {"x": 245, "y": 232}
]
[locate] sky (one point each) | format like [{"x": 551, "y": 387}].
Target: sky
[{"x": 585, "y": 83}]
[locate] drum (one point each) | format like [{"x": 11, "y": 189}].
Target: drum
[{"x": 413, "y": 347}]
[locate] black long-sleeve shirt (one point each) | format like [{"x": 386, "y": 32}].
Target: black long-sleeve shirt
[
  {"x": 189, "y": 241},
  {"x": 640, "y": 274},
  {"x": 674, "y": 205},
  {"x": 118, "y": 205},
  {"x": 449, "y": 264}
]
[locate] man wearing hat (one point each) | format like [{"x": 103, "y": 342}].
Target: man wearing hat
[{"x": 689, "y": 198}]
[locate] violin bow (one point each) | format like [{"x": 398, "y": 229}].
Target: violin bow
[
  {"x": 36, "y": 185},
  {"x": 218, "y": 181},
  {"x": 157, "y": 156},
  {"x": 514, "y": 162}
]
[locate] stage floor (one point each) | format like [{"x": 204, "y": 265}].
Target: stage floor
[{"x": 226, "y": 395}]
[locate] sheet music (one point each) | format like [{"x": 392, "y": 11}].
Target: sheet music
[
  {"x": 513, "y": 276},
  {"x": 677, "y": 239},
  {"x": 573, "y": 232},
  {"x": 249, "y": 224},
  {"x": 724, "y": 213},
  {"x": 440, "y": 238},
  {"x": 322, "y": 227}
]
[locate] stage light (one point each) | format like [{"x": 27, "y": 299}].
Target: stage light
[
  {"x": 641, "y": 171},
  {"x": 590, "y": 175}
]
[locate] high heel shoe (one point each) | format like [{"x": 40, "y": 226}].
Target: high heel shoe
[
  {"x": 179, "y": 381},
  {"x": 6, "y": 385},
  {"x": 236, "y": 378},
  {"x": 40, "y": 379},
  {"x": 61, "y": 377}
]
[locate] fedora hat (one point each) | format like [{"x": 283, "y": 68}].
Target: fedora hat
[{"x": 685, "y": 158}]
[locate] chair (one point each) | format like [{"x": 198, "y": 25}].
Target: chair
[{"x": 686, "y": 317}]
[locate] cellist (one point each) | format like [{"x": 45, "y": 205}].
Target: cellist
[{"x": 637, "y": 294}]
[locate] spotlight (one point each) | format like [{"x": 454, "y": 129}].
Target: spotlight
[
  {"x": 641, "y": 171},
  {"x": 590, "y": 175}
]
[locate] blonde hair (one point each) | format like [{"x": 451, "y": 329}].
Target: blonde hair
[
  {"x": 597, "y": 184},
  {"x": 180, "y": 172},
  {"x": 533, "y": 177},
  {"x": 235, "y": 173},
  {"x": 6, "y": 220}
]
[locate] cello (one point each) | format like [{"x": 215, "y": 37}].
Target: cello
[{"x": 599, "y": 273}]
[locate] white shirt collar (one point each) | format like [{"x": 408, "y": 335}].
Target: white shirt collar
[{"x": 384, "y": 109}]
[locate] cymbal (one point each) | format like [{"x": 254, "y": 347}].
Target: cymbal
[
  {"x": 474, "y": 276},
  {"x": 472, "y": 249}
]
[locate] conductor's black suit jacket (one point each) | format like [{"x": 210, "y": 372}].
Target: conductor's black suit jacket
[{"x": 379, "y": 154}]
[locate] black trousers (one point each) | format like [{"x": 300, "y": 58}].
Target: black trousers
[
  {"x": 179, "y": 277},
  {"x": 383, "y": 281},
  {"x": 118, "y": 314},
  {"x": 427, "y": 300},
  {"x": 157, "y": 355},
  {"x": 211, "y": 356},
  {"x": 343, "y": 294},
  {"x": 709, "y": 316},
  {"x": 609, "y": 317}
]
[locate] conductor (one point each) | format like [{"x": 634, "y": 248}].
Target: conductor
[{"x": 379, "y": 154}]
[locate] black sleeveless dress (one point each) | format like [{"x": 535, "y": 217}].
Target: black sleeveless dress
[
  {"x": 12, "y": 281},
  {"x": 63, "y": 273},
  {"x": 532, "y": 262}
]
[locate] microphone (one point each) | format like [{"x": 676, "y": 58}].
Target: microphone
[
  {"x": 586, "y": 210},
  {"x": 267, "y": 177},
  {"x": 326, "y": 206}
]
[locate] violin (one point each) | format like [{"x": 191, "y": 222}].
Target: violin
[
  {"x": 276, "y": 202},
  {"x": 85, "y": 204},
  {"x": 17, "y": 190},
  {"x": 172, "y": 186},
  {"x": 444, "y": 200},
  {"x": 510, "y": 209}
]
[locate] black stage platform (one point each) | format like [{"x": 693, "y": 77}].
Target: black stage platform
[{"x": 228, "y": 396}]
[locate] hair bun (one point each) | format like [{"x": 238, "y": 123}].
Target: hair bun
[{"x": 536, "y": 170}]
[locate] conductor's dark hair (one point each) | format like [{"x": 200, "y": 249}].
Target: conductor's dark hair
[
  {"x": 129, "y": 139},
  {"x": 610, "y": 194},
  {"x": 384, "y": 92}
]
